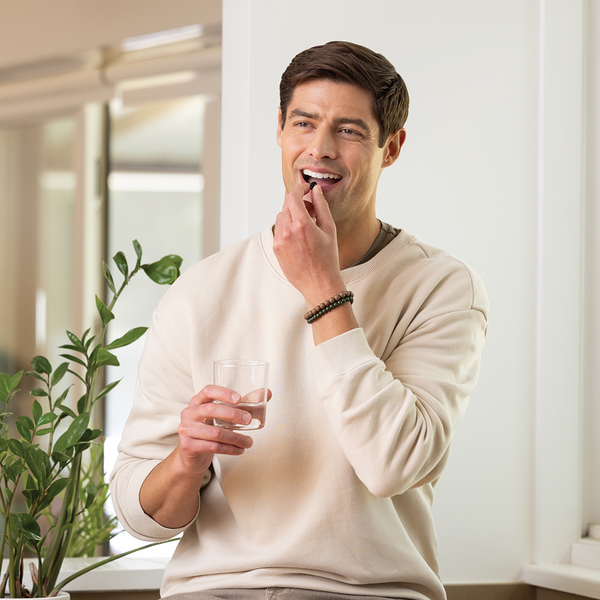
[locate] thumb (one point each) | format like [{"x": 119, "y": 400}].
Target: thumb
[{"x": 321, "y": 208}]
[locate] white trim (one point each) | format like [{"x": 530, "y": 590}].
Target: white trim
[
  {"x": 235, "y": 128},
  {"x": 558, "y": 405},
  {"x": 564, "y": 578}
]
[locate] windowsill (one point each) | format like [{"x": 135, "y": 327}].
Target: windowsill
[
  {"x": 568, "y": 578},
  {"x": 146, "y": 573},
  {"x": 127, "y": 573}
]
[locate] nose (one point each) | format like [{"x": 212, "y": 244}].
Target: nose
[{"x": 324, "y": 144}]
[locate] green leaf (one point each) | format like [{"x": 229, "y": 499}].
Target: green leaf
[
  {"x": 12, "y": 472},
  {"x": 4, "y": 383},
  {"x": 35, "y": 463},
  {"x": 26, "y": 525},
  {"x": 74, "y": 359},
  {"x": 109, "y": 278},
  {"x": 37, "y": 411},
  {"x": 35, "y": 376},
  {"x": 47, "y": 418},
  {"x": 56, "y": 488},
  {"x": 26, "y": 422},
  {"x": 91, "y": 434},
  {"x": 8, "y": 385},
  {"x": 81, "y": 404},
  {"x": 73, "y": 434},
  {"x": 16, "y": 447},
  {"x": 163, "y": 272},
  {"x": 81, "y": 447},
  {"x": 59, "y": 373},
  {"x": 41, "y": 365},
  {"x": 31, "y": 496},
  {"x": 69, "y": 347},
  {"x": 14, "y": 382},
  {"x": 106, "y": 358},
  {"x": 39, "y": 392},
  {"x": 60, "y": 457},
  {"x": 175, "y": 259},
  {"x": 66, "y": 410},
  {"x": 138, "y": 251},
  {"x": 25, "y": 427},
  {"x": 90, "y": 492},
  {"x": 130, "y": 337},
  {"x": 76, "y": 341},
  {"x": 105, "y": 315},
  {"x": 78, "y": 377},
  {"x": 44, "y": 431},
  {"x": 108, "y": 389},
  {"x": 62, "y": 397},
  {"x": 121, "y": 263}
]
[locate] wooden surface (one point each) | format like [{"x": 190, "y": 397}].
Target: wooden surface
[{"x": 503, "y": 591}]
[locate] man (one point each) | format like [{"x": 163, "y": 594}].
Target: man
[{"x": 332, "y": 498}]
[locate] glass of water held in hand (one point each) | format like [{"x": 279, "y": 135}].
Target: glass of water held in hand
[{"x": 250, "y": 379}]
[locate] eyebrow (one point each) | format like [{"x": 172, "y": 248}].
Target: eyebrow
[{"x": 297, "y": 112}]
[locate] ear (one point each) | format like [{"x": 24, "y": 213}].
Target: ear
[
  {"x": 279, "y": 127},
  {"x": 391, "y": 150}
]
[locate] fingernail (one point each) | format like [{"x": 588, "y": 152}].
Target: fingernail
[
  {"x": 246, "y": 418},
  {"x": 235, "y": 397}
]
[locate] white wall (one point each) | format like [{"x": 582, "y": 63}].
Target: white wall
[{"x": 492, "y": 172}]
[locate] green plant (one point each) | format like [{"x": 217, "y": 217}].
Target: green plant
[
  {"x": 52, "y": 457},
  {"x": 94, "y": 527}
]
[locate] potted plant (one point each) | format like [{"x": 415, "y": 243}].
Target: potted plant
[{"x": 45, "y": 456}]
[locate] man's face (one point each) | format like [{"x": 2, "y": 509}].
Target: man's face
[{"x": 331, "y": 137}]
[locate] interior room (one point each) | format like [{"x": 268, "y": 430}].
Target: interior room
[{"x": 140, "y": 119}]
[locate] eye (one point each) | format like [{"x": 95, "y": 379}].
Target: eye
[{"x": 350, "y": 132}]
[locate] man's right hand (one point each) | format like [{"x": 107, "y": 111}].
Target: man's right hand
[
  {"x": 199, "y": 440},
  {"x": 170, "y": 492}
]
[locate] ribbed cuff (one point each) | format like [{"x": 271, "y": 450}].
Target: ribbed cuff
[
  {"x": 144, "y": 526},
  {"x": 340, "y": 355}
]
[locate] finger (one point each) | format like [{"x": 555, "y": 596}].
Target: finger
[
  {"x": 296, "y": 204},
  {"x": 199, "y": 422},
  {"x": 211, "y": 439},
  {"x": 225, "y": 412},
  {"x": 283, "y": 219},
  {"x": 321, "y": 207},
  {"x": 210, "y": 393}
]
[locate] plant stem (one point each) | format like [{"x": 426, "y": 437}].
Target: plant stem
[{"x": 68, "y": 580}]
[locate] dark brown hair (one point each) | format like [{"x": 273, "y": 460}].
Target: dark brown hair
[{"x": 345, "y": 62}]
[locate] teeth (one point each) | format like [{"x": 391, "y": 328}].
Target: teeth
[{"x": 321, "y": 175}]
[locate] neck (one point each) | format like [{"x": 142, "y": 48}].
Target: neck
[{"x": 354, "y": 243}]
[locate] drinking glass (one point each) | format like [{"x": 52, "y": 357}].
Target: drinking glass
[{"x": 250, "y": 379}]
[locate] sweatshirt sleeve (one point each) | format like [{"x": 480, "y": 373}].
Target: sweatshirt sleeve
[
  {"x": 163, "y": 389},
  {"x": 394, "y": 418}
]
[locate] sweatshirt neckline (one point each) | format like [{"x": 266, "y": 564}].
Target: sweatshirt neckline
[{"x": 350, "y": 274}]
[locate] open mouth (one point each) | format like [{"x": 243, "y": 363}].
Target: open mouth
[{"x": 323, "y": 179}]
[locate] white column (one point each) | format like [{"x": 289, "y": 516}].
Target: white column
[
  {"x": 235, "y": 130},
  {"x": 559, "y": 282}
]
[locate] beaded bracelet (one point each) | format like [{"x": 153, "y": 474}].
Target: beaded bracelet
[{"x": 325, "y": 307}]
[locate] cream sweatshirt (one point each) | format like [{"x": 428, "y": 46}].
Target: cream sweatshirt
[{"x": 335, "y": 494}]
